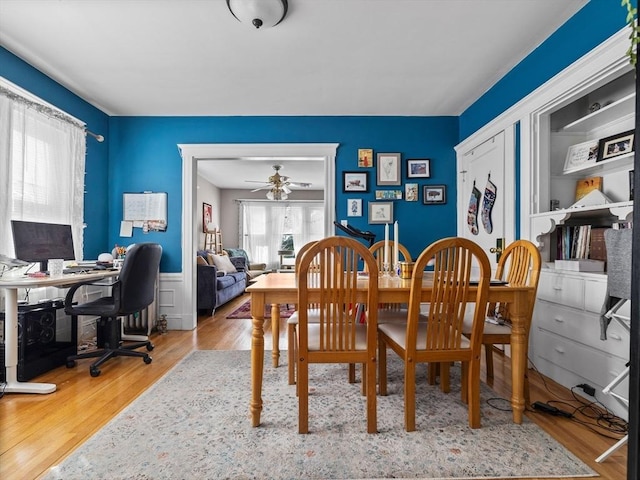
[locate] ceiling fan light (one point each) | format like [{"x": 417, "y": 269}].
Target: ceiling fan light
[{"x": 258, "y": 13}]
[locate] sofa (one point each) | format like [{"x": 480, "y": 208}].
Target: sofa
[
  {"x": 217, "y": 282},
  {"x": 253, "y": 269}
]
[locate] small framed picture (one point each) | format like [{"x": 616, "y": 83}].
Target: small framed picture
[
  {"x": 207, "y": 216},
  {"x": 388, "y": 194},
  {"x": 354, "y": 207},
  {"x": 580, "y": 156},
  {"x": 389, "y": 169},
  {"x": 365, "y": 157},
  {"x": 411, "y": 192},
  {"x": 380, "y": 212},
  {"x": 615, "y": 145},
  {"x": 355, "y": 181},
  {"x": 434, "y": 194},
  {"x": 418, "y": 168}
]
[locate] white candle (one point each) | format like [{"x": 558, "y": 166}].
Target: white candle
[
  {"x": 386, "y": 243},
  {"x": 396, "y": 258}
]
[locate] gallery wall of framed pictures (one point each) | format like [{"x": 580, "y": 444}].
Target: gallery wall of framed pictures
[{"x": 396, "y": 180}]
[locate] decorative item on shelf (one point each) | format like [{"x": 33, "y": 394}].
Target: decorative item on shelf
[
  {"x": 119, "y": 252},
  {"x": 631, "y": 182},
  {"x": 388, "y": 194},
  {"x": 365, "y": 157},
  {"x": 419, "y": 168},
  {"x": 615, "y": 145},
  {"x": 586, "y": 185},
  {"x": 581, "y": 155},
  {"x": 389, "y": 169},
  {"x": 594, "y": 197},
  {"x": 434, "y": 194}
]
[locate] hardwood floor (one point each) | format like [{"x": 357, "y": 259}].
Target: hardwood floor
[{"x": 38, "y": 431}]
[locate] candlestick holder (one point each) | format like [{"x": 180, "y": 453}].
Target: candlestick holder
[
  {"x": 396, "y": 269},
  {"x": 386, "y": 269}
]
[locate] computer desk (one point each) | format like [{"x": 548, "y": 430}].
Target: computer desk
[{"x": 11, "y": 284}]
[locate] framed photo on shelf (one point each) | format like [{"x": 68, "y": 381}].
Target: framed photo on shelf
[
  {"x": 365, "y": 157},
  {"x": 434, "y": 194},
  {"x": 418, "y": 168},
  {"x": 354, "y": 207},
  {"x": 615, "y": 145},
  {"x": 581, "y": 155},
  {"x": 355, "y": 181},
  {"x": 389, "y": 169},
  {"x": 380, "y": 212},
  {"x": 207, "y": 216}
]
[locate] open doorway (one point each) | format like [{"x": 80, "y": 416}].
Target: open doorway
[{"x": 192, "y": 153}]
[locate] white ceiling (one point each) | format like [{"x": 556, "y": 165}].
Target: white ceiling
[{"x": 329, "y": 57}]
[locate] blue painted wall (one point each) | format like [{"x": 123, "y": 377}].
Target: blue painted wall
[
  {"x": 141, "y": 153},
  {"x": 592, "y": 25},
  {"x": 144, "y": 150}
]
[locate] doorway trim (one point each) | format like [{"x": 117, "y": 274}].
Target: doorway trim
[{"x": 192, "y": 153}]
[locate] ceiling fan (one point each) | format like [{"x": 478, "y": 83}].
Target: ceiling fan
[{"x": 278, "y": 185}]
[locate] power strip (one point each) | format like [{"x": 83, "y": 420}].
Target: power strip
[{"x": 550, "y": 409}]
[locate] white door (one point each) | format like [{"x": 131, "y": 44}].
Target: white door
[{"x": 486, "y": 213}]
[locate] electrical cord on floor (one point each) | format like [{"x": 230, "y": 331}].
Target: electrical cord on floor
[{"x": 603, "y": 421}]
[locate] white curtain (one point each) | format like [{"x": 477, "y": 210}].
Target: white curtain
[
  {"x": 265, "y": 224},
  {"x": 42, "y": 160}
]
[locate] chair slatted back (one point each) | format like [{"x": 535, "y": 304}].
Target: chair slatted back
[
  {"x": 522, "y": 261},
  {"x": 328, "y": 280},
  {"x": 453, "y": 261}
]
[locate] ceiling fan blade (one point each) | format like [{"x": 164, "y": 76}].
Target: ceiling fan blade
[
  {"x": 286, "y": 189},
  {"x": 258, "y": 181},
  {"x": 265, "y": 187},
  {"x": 299, "y": 184}
]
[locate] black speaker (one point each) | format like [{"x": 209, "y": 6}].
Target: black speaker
[{"x": 46, "y": 337}]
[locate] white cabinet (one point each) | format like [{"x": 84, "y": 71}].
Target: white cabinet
[
  {"x": 585, "y": 110},
  {"x": 565, "y": 342}
]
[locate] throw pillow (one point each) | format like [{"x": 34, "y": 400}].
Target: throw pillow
[{"x": 223, "y": 264}]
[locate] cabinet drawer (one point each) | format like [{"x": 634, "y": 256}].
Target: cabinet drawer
[
  {"x": 594, "y": 295},
  {"x": 582, "y": 327},
  {"x": 597, "y": 366},
  {"x": 561, "y": 289}
]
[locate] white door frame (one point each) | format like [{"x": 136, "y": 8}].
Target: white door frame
[{"x": 191, "y": 153}]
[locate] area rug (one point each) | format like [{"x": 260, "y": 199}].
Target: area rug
[
  {"x": 194, "y": 423},
  {"x": 244, "y": 311}
]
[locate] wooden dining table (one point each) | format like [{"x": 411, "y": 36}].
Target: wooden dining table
[{"x": 280, "y": 288}]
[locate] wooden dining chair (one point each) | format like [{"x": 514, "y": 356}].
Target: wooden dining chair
[
  {"x": 328, "y": 279},
  {"x": 440, "y": 339},
  {"x": 292, "y": 322},
  {"x": 521, "y": 261}
]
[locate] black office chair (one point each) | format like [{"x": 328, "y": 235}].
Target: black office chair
[{"x": 132, "y": 292}]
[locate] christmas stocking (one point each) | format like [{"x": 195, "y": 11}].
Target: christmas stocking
[
  {"x": 472, "y": 213},
  {"x": 487, "y": 205}
]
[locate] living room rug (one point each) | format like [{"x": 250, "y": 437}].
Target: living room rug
[
  {"x": 194, "y": 423},
  {"x": 244, "y": 311}
]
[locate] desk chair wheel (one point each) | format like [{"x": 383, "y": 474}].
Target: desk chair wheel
[
  {"x": 71, "y": 363},
  {"x": 94, "y": 371},
  {"x": 150, "y": 347},
  {"x": 147, "y": 359}
]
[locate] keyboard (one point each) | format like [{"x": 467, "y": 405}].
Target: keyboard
[{"x": 77, "y": 269}]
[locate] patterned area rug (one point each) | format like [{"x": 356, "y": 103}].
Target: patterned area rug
[
  {"x": 194, "y": 424},
  {"x": 244, "y": 311}
]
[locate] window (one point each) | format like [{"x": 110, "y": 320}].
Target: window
[
  {"x": 42, "y": 152},
  {"x": 266, "y": 224}
]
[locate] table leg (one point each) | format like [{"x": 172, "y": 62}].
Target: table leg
[
  {"x": 275, "y": 331},
  {"x": 257, "y": 357},
  {"x": 518, "y": 355},
  {"x": 11, "y": 351}
]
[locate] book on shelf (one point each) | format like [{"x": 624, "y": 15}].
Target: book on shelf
[{"x": 598, "y": 250}]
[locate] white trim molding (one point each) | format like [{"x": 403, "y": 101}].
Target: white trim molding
[{"x": 191, "y": 153}]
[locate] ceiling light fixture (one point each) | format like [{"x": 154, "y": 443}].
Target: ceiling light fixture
[
  {"x": 277, "y": 193},
  {"x": 259, "y": 13}
]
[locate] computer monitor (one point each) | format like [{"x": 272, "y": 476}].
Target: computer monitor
[{"x": 39, "y": 242}]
